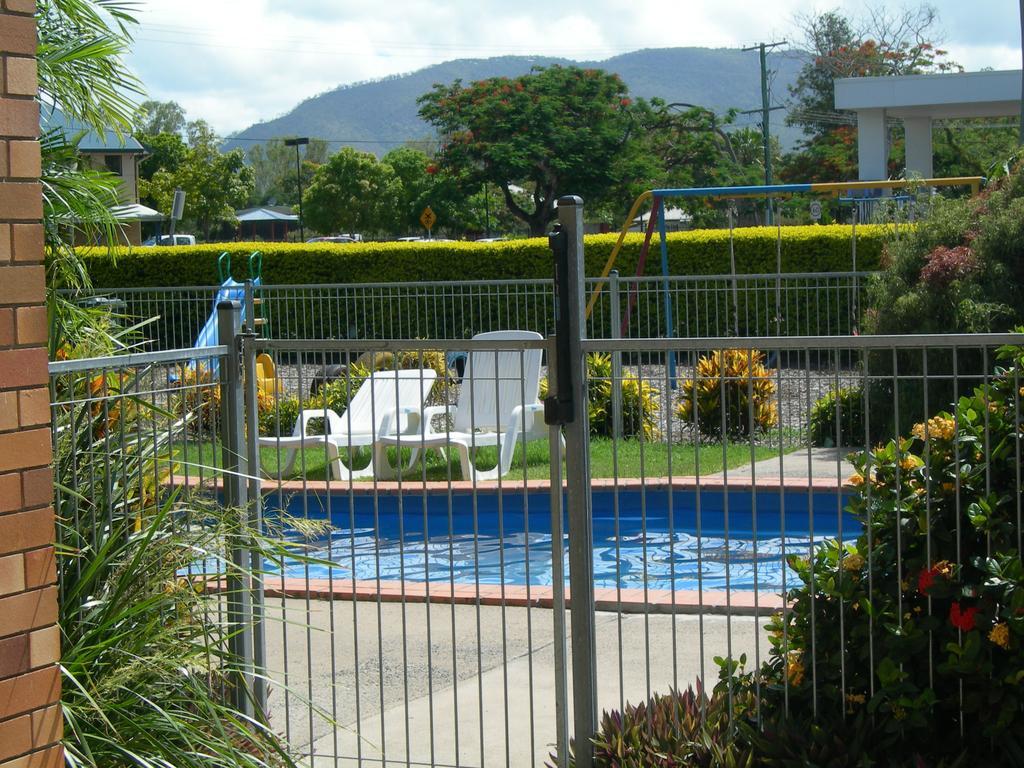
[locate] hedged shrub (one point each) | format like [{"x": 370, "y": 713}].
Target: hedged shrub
[
  {"x": 918, "y": 625},
  {"x": 697, "y": 252},
  {"x": 731, "y": 391}
]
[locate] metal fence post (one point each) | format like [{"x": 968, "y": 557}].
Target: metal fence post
[
  {"x": 577, "y": 471},
  {"x": 616, "y": 332},
  {"x": 236, "y": 492}
]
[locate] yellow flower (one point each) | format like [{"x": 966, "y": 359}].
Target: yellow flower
[
  {"x": 856, "y": 479},
  {"x": 910, "y": 463},
  {"x": 944, "y": 567},
  {"x": 948, "y": 487},
  {"x": 856, "y": 698},
  {"x": 899, "y": 713},
  {"x": 937, "y": 428},
  {"x": 853, "y": 562},
  {"x": 795, "y": 669},
  {"x": 1000, "y": 635}
]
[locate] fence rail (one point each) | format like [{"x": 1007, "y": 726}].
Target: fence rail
[{"x": 810, "y": 304}]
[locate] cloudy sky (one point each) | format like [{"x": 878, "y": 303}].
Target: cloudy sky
[{"x": 234, "y": 62}]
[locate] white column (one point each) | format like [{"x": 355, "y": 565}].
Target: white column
[
  {"x": 918, "y": 132},
  {"x": 872, "y": 145}
]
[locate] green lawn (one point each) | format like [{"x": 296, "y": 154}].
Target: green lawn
[{"x": 624, "y": 458}]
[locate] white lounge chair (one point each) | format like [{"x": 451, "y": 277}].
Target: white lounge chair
[
  {"x": 497, "y": 406},
  {"x": 387, "y": 402}
]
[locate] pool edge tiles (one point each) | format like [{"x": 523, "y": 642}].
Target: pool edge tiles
[{"x": 736, "y": 602}]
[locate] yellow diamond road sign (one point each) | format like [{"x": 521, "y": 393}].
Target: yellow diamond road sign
[{"x": 428, "y": 218}]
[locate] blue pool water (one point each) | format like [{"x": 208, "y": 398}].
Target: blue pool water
[{"x": 651, "y": 537}]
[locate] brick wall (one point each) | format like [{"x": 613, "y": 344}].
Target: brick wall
[{"x": 30, "y": 722}]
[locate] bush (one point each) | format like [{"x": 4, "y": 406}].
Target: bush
[
  {"x": 845, "y": 405},
  {"x": 197, "y": 401},
  {"x": 698, "y": 252},
  {"x": 671, "y": 730},
  {"x": 277, "y": 416},
  {"x": 639, "y": 401},
  {"x": 930, "y": 597},
  {"x": 748, "y": 388}
]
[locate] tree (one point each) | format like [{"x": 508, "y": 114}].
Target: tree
[
  {"x": 555, "y": 131},
  {"x": 273, "y": 166},
  {"x": 886, "y": 43},
  {"x": 156, "y": 117},
  {"x": 352, "y": 192},
  {"x": 215, "y": 184},
  {"x": 164, "y": 151}
]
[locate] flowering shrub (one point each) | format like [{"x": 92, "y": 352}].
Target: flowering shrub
[
  {"x": 734, "y": 381},
  {"x": 919, "y": 624},
  {"x": 944, "y": 265}
]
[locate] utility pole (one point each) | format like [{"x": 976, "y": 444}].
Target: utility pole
[
  {"x": 299, "y": 142},
  {"x": 766, "y": 110}
]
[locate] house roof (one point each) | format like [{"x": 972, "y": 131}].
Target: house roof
[
  {"x": 267, "y": 213},
  {"x": 108, "y": 142}
]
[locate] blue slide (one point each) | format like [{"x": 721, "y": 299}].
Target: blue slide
[{"x": 230, "y": 290}]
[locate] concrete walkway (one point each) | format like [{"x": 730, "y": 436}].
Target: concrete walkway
[
  {"x": 479, "y": 683},
  {"x": 829, "y": 464}
]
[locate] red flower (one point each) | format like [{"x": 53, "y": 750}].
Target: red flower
[
  {"x": 962, "y": 619},
  {"x": 625, "y": 102},
  {"x": 431, "y": 169},
  {"x": 926, "y": 579}
]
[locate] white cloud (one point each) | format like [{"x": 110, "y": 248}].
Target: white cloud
[{"x": 234, "y": 62}]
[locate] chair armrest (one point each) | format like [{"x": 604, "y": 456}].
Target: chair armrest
[{"x": 393, "y": 419}]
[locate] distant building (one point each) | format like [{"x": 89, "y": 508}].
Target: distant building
[
  {"x": 106, "y": 151},
  {"x": 269, "y": 222}
]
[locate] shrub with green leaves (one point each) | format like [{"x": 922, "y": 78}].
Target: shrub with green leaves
[
  {"x": 918, "y": 625},
  {"x": 639, "y": 401},
  {"x": 837, "y": 418},
  {"x": 277, "y": 415},
  {"x": 677, "y": 729},
  {"x": 730, "y": 393}
]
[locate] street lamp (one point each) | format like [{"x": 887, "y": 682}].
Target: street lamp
[{"x": 297, "y": 142}]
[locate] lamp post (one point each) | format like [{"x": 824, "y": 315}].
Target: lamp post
[{"x": 297, "y": 142}]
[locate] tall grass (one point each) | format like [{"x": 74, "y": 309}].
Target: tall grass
[{"x": 145, "y": 660}]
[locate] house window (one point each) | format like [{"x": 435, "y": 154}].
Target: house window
[{"x": 113, "y": 163}]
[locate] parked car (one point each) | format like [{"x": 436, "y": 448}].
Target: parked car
[
  {"x": 334, "y": 239},
  {"x": 166, "y": 240}
]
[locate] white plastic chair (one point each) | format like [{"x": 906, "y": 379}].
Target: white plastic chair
[
  {"x": 497, "y": 406},
  {"x": 387, "y": 402}
]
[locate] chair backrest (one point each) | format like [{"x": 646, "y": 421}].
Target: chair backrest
[
  {"x": 496, "y": 381},
  {"x": 383, "y": 393}
]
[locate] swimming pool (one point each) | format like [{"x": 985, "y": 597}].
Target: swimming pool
[{"x": 657, "y": 538}]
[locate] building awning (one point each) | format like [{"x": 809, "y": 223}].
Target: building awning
[
  {"x": 136, "y": 212},
  {"x": 265, "y": 214}
]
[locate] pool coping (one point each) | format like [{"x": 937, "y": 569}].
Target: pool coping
[
  {"x": 655, "y": 601},
  {"x": 391, "y": 487}
]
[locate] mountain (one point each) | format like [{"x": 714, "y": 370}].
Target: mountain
[{"x": 379, "y": 115}]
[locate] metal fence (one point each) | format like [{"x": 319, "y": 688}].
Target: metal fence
[
  {"x": 790, "y": 304},
  {"x": 461, "y": 590},
  {"x": 427, "y": 620}
]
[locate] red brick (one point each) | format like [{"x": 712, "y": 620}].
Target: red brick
[
  {"x": 6, "y": 327},
  {"x": 22, "y": 284},
  {"x": 21, "y": 199},
  {"x": 5, "y": 243},
  {"x": 50, "y": 758},
  {"x": 18, "y": 35},
  {"x": 26, "y": 530},
  {"x": 27, "y": 241},
  {"x": 44, "y": 647},
  {"x": 40, "y": 568},
  {"x": 15, "y": 737},
  {"x": 3, "y": 160},
  {"x": 33, "y": 406},
  {"x": 32, "y": 325},
  {"x": 47, "y": 726},
  {"x": 37, "y": 487},
  {"x": 10, "y": 494},
  {"x": 21, "y": 6},
  {"x": 8, "y": 411},
  {"x": 25, "y": 157},
  {"x": 27, "y": 692},
  {"x": 27, "y": 448},
  {"x": 19, "y": 117},
  {"x": 29, "y": 610},
  {"x": 21, "y": 77},
  {"x": 15, "y": 655},
  {"x": 12, "y": 574},
  {"x": 22, "y": 367}
]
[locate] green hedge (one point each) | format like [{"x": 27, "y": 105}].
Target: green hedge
[{"x": 804, "y": 249}]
